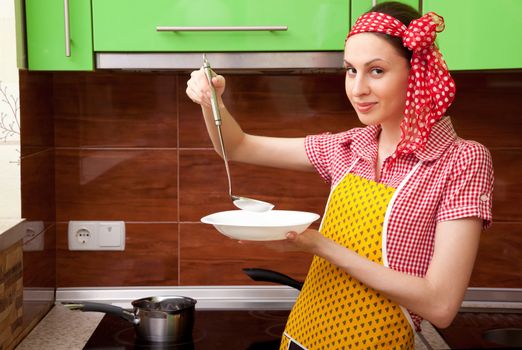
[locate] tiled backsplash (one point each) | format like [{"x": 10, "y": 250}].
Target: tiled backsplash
[
  {"x": 131, "y": 146},
  {"x": 38, "y": 197}
]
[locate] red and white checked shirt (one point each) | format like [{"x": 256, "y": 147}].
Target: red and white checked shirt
[{"x": 454, "y": 180}]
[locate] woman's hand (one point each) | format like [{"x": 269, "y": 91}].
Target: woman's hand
[
  {"x": 311, "y": 241},
  {"x": 308, "y": 241},
  {"x": 198, "y": 89}
]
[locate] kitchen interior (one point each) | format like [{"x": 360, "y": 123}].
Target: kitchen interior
[{"x": 110, "y": 138}]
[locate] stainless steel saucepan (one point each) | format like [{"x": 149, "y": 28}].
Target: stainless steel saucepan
[{"x": 155, "y": 319}]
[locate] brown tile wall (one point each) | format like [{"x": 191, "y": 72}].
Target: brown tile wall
[
  {"x": 131, "y": 146},
  {"x": 38, "y": 196}
]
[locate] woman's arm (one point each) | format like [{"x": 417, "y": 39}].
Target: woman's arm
[
  {"x": 288, "y": 153},
  {"x": 437, "y": 296}
]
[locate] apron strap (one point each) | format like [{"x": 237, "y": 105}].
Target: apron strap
[
  {"x": 385, "y": 230},
  {"x": 292, "y": 343},
  {"x": 388, "y": 212}
]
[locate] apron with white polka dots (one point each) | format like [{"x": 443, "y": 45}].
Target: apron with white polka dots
[{"x": 334, "y": 310}]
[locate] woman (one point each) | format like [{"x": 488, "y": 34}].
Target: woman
[{"x": 408, "y": 201}]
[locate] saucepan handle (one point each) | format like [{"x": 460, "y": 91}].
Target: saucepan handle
[
  {"x": 264, "y": 275},
  {"x": 106, "y": 308}
]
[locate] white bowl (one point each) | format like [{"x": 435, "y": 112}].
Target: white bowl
[{"x": 266, "y": 226}]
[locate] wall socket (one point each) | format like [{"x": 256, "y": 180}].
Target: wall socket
[
  {"x": 34, "y": 238},
  {"x": 96, "y": 235}
]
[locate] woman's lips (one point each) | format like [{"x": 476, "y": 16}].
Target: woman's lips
[{"x": 365, "y": 107}]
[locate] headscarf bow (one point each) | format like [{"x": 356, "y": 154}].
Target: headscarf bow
[{"x": 431, "y": 88}]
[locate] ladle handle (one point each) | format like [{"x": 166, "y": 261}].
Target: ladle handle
[
  {"x": 224, "y": 153},
  {"x": 213, "y": 97},
  {"x": 217, "y": 118}
]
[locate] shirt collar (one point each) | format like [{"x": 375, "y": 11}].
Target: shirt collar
[
  {"x": 364, "y": 143},
  {"x": 442, "y": 135}
]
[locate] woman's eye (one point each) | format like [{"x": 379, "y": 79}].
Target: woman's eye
[
  {"x": 350, "y": 70},
  {"x": 377, "y": 71}
]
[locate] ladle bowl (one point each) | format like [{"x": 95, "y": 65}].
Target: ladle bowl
[{"x": 251, "y": 204}]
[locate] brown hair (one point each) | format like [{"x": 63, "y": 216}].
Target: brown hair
[{"x": 403, "y": 13}]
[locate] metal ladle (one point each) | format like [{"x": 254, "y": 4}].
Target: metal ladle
[{"x": 243, "y": 203}]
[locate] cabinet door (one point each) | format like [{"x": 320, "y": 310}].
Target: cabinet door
[
  {"x": 361, "y": 6},
  {"x": 46, "y": 35},
  {"x": 131, "y": 25},
  {"x": 479, "y": 34}
]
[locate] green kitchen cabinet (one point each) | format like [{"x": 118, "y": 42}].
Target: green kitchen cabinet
[
  {"x": 48, "y": 37},
  {"x": 361, "y": 6},
  {"x": 222, "y": 26},
  {"x": 479, "y": 34}
]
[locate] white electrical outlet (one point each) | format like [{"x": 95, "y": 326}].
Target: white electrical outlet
[
  {"x": 96, "y": 235},
  {"x": 34, "y": 238}
]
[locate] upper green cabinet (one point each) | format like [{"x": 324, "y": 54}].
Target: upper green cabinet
[
  {"x": 222, "y": 26},
  {"x": 479, "y": 34},
  {"x": 67, "y": 34},
  {"x": 361, "y": 6},
  {"x": 59, "y": 34}
]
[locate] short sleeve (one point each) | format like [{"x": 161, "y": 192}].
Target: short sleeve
[
  {"x": 469, "y": 190},
  {"x": 318, "y": 149}
]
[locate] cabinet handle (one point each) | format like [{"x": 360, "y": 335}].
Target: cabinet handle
[
  {"x": 221, "y": 29},
  {"x": 67, "y": 29}
]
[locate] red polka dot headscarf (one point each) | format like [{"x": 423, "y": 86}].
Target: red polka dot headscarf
[{"x": 430, "y": 86}]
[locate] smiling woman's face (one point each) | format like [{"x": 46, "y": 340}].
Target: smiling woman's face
[{"x": 376, "y": 79}]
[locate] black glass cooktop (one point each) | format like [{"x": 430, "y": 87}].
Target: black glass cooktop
[{"x": 216, "y": 329}]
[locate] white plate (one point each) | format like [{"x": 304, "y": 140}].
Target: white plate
[{"x": 267, "y": 226}]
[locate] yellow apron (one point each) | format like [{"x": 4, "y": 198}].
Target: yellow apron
[{"x": 335, "y": 310}]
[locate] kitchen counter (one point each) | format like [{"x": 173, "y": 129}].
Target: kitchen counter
[{"x": 63, "y": 329}]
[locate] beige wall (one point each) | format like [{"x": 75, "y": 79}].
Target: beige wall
[{"x": 9, "y": 114}]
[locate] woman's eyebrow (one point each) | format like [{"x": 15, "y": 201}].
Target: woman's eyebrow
[{"x": 367, "y": 63}]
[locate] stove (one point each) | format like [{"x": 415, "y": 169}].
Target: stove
[
  {"x": 468, "y": 328},
  {"x": 213, "y": 329}
]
